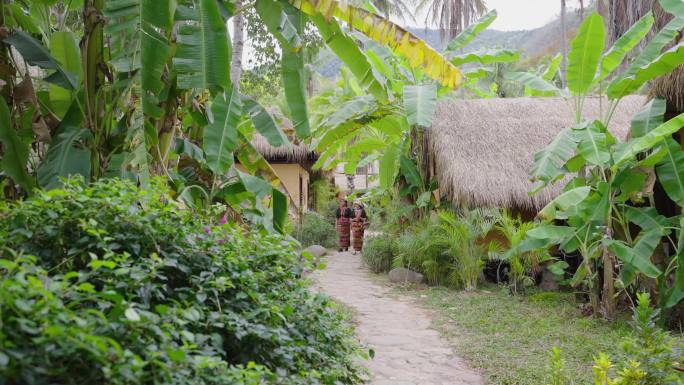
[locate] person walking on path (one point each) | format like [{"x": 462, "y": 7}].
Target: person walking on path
[
  {"x": 344, "y": 215},
  {"x": 359, "y": 224}
]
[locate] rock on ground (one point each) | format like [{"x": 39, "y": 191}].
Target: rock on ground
[
  {"x": 316, "y": 250},
  {"x": 401, "y": 275},
  {"x": 407, "y": 350}
]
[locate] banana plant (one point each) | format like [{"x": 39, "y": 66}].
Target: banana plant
[
  {"x": 610, "y": 191},
  {"x": 376, "y": 115}
]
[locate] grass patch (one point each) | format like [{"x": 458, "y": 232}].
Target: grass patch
[{"x": 509, "y": 338}]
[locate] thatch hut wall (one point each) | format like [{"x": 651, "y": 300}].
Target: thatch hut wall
[{"x": 482, "y": 150}]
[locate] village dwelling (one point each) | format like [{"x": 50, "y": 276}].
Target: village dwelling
[
  {"x": 482, "y": 150},
  {"x": 293, "y": 165}
]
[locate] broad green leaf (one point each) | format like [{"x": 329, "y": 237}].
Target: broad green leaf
[
  {"x": 264, "y": 123},
  {"x": 65, "y": 157},
  {"x": 554, "y": 65},
  {"x": 661, "y": 65},
  {"x": 15, "y": 156},
  {"x": 420, "y": 103},
  {"x": 186, "y": 147},
  {"x": 253, "y": 161},
  {"x": 585, "y": 52},
  {"x": 202, "y": 56},
  {"x": 358, "y": 149},
  {"x": 532, "y": 81},
  {"x": 220, "y": 136},
  {"x": 158, "y": 13},
  {"x": 553, "y": 233},
  {"x": 655, "y": 46},
  {"x": 389, "y": 166},
  {"x": 549, "y": 163},
  {"x": 424, "y": 199},
  {"x": 677, "y": 293},
  {"x": 648, "y": 117},
  {"x": 410, "y": 171},
  {"x": 593, "y": 143},
  {"x": 470, "y": 32},
  {"x": 638, "y": 257},
  {"x": 383, "y": 31},
  {"x": 478, "y": 73},
  {"x": 671, "y": 171},
  {"x": 568, "y": 199},
  {"x": 64, "y": 49},
  {"x": 36, "y": 55},
  {"x": 630, "y": 39},
  {"x": 259, "y": 187},
  {"x": 487, "y": 56},
  {"x": 348, "y": 51},
  {"x": 394, "y": 126},
  {"x": 357, "y": 107},
  {"x": 292, "y": 60},
  {"x": 154, "y": 53},
  {"x": 648, "y": 219},
  {"x": 279, "y": 202},
  {"x": 651, "y": 139}
]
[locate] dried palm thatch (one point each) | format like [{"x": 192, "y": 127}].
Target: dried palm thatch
[
  {"x": 483, "y": 150},
  {"x": 295, "y": 153}
]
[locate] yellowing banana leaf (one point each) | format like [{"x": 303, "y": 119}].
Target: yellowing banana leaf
[{"x": 383, "y": 31}]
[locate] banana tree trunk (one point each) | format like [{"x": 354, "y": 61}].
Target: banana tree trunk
[
  {"x": 238, "y": 46},
  {"x": 608, "y": 295},
  {"x": 92, "y": 46}
]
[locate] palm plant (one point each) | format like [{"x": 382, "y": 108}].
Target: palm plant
[
  {"x": 524, "y": 264},
  {"x": 462, "y": 238},
  {"x": 452, "y": 16}
]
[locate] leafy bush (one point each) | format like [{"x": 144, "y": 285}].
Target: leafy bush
[
  {"x": 448, "y": 250},
  {"x": 107, "y": 284},
  {"x": 378, "y": 253},
  {"x": 315, "y": 230},
  {"x": 646, "y": 359},
  {"x": 418, "y": 251}
]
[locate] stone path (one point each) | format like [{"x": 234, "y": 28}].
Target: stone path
[{"x": 407, "y": 350}]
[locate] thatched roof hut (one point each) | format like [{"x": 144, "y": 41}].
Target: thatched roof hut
[
  {"x": 482, "y": 150},
  {"x": 294, "y": 153}
]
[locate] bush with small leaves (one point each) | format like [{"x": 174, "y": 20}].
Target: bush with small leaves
[
  {"x": 315, "y": 229},
  {"x": 378, "y": 253},
  {"x": 108, "y": 284}
]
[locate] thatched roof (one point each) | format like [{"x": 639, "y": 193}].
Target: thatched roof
[
  {"x": 483, "y": 149},
  {"x": 295, "y": 153}
]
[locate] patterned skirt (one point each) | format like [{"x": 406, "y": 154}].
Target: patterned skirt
[
  {"x": 343, "y": 227},
  {"x": 357, "y": 233}
]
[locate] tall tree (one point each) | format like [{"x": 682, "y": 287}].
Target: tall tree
[
  {"x": 238, "y": 45},
  {"x": 564, "y": 43},
  {"x": 452, "y": 16}
]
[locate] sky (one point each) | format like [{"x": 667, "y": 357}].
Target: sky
[{"x": 517, "y": 14}]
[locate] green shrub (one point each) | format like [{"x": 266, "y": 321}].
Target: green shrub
[
  {"x": 648, "y": 358},
  {"x": 315, "y": 230},
  {"x": 107, "y": 284},
  {"x": 378, "y": 253}
]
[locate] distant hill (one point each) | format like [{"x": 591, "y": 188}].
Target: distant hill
[{"x": 532, "y": 43}]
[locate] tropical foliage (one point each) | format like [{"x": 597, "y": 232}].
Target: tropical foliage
[
  {"x": 137, "y": 89},
  {"x": 109, "y": 284},
  {"x": 381, "y": 116},
  {"x": 610, "y": 194}
]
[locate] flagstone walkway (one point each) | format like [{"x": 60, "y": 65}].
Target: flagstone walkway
[{"x": 407, "y": 350}]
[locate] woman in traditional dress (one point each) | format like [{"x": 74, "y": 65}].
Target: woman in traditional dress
[
  {"x": 358, "y": 225},
  {"x": 344, "y": 215}
]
